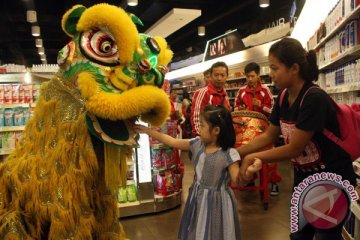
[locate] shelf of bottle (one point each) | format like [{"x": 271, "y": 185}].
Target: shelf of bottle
[
  {"x": 6, "y": 151},
  {"x": 347, "y": 56},
  {"x": 344, "y": 88},
  {"x": 353, "y": 15},
  {"x": 128, "y": 204},
  {"x": 12, "y": 128}
]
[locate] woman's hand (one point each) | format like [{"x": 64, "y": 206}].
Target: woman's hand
[{"x": 252, "y": 169}]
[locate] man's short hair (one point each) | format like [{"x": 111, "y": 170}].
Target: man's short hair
[
  {"x": 220, "y": 64},
  {"x": 207, "y": 71},
  {"x": 252, "y": 67}
]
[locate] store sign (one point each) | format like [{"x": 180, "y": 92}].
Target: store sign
[{"x": 223, "y": 45}]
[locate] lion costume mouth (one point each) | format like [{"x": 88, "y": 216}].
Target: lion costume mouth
[{"x": 110, "y": 116}]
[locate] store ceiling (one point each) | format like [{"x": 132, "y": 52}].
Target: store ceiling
[{"x": 17, "y": 45}]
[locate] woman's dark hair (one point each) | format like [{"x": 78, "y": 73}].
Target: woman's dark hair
[
  {"x": 219, "y": 116},
  {"x": 253, "y": 66},
  {"x": 219, "y": 64},
  {"x": 290, "y": 51}
]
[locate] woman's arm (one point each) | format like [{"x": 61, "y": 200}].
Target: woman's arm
[
  {"x": 183, "y": 144},
  {"x": 268, "y": 137},
  {"x": 295, "y": 148}
]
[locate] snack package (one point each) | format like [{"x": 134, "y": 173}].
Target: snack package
[
  {"x": 9, "y": 117},
  {"x": 177, "y": 180},
  {"x": 8, "y": 140},
  {"x": 131, "y": 193},
  {"x": 156, "y": 155},
  {"x": 160, "y": 185},
  {"x": 19, "y": 117},
  {"x": 169, "y": 183},
  {"x": 2, "y": 94},
  {"x": 7, "y": 93},
  {"x": 15, "y": 93},
  {"x": 36, "y": 92},
  {"x": 167, "y": 158},
  {"x": 2, "y": 118},
  {"x": 122, "y": 195},
  {"x": 28, "y": 93},
  {"x": 21, "y": 94},
  {"x": 27, "y": 115},
  {"x": 18, "y": 137}
]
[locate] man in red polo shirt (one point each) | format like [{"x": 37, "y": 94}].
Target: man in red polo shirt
[
  {"x": 212, "y": 94},
  {"x": 254, "y": 96}
]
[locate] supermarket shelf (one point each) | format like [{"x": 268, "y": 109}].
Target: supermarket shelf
[
  {"x": 20, "y": 77},
  {"x": 355, "y": 208},
  {"x": 159, "y": 198},
  {"x": 10, "y": 129},
  {"x": 128, "y": 204},
  {"x": 341, "y": 89},
  {"x": 232, "y": 88},
  {"x": 354, "y": 15},
  {"x": 347, "y": 56},
  {"x": 6, "y": 152},
  {"x": 14, "y": 105},
  {"x": 235, "y": 79}
]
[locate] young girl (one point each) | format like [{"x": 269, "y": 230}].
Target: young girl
[
  {"x": 301, "y": 117},
  {"x": 210, "y": 211}
]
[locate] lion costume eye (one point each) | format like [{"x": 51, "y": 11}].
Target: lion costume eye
[{"x": 100, "y": 47}]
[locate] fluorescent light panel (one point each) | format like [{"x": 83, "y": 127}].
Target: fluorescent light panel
[{"x": 173, "y": 21}]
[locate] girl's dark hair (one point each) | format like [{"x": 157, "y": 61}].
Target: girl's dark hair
[
  {"x": 219, "y": 116},
  {"x": 290, "y": 51}
]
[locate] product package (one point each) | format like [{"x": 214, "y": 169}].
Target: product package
[
  {"x": 156, "y": 158},
  {"x": 28, "y": 93},
  {"x": 131, "y": 193},
  {"x": 7, "y": 93},
  {"x": 8, "y": 140},
  {"x": 15, "y": 93},
  {"x": 122, "y": 195},
  {"x": 2, "y": 94},
  {"x": 2, "y": 117},
  {"x": 19, "y": 117},
  {"x": 9, "y": 117},
  {"x": 18, "y": 137}
]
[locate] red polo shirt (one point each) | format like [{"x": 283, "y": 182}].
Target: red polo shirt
[
  {"x": 207, "y": 95},
  {"x": 245, "y": 95}
]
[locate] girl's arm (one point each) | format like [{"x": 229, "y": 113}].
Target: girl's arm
[
  {"x": 295, "y": 148},
  {"x": 234, "y": 171},
  {"x": 268, "y": 137},
  {"x": 183, "y": 144}
]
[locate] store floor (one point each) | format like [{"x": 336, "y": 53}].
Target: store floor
[{"x": 255, "y": 222}]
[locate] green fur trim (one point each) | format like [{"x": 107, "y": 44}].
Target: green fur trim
[{"x": 72, "y": 20}]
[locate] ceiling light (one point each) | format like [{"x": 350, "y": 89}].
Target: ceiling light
[
  {"x": 38, "y": 42},
  {"x": 201, "y": 30},
  {"x": 43, "y": 57},
  {"x": 35, "y": 31},
  {"x": 31, "y": 16},
  {"x": 41, "y": 50},
  {"x": 132, "y": 3},
  {"x": 264, "y": 3}
]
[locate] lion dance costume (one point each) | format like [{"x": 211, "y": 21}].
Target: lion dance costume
[{"x": 60, "y": 181}]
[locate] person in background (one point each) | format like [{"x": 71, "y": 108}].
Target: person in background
[
  {"x": 207, "y": 76},
  {"x": 257, "y": 97},
  {"x": 254, "y": 96},
  {"x": 212, "y": 94},
  {"x": 174, "y": 114},
  {"x": 211, "y": 208},
  {"x": 186, "y": 111},
  {"x": 301, "y": 117}
]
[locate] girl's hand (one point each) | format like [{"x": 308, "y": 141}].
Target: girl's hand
[
  {"x": 141, "y": 129},
  {"x": 252, "y": 169},
  {"x": 245, "y": 164}
]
